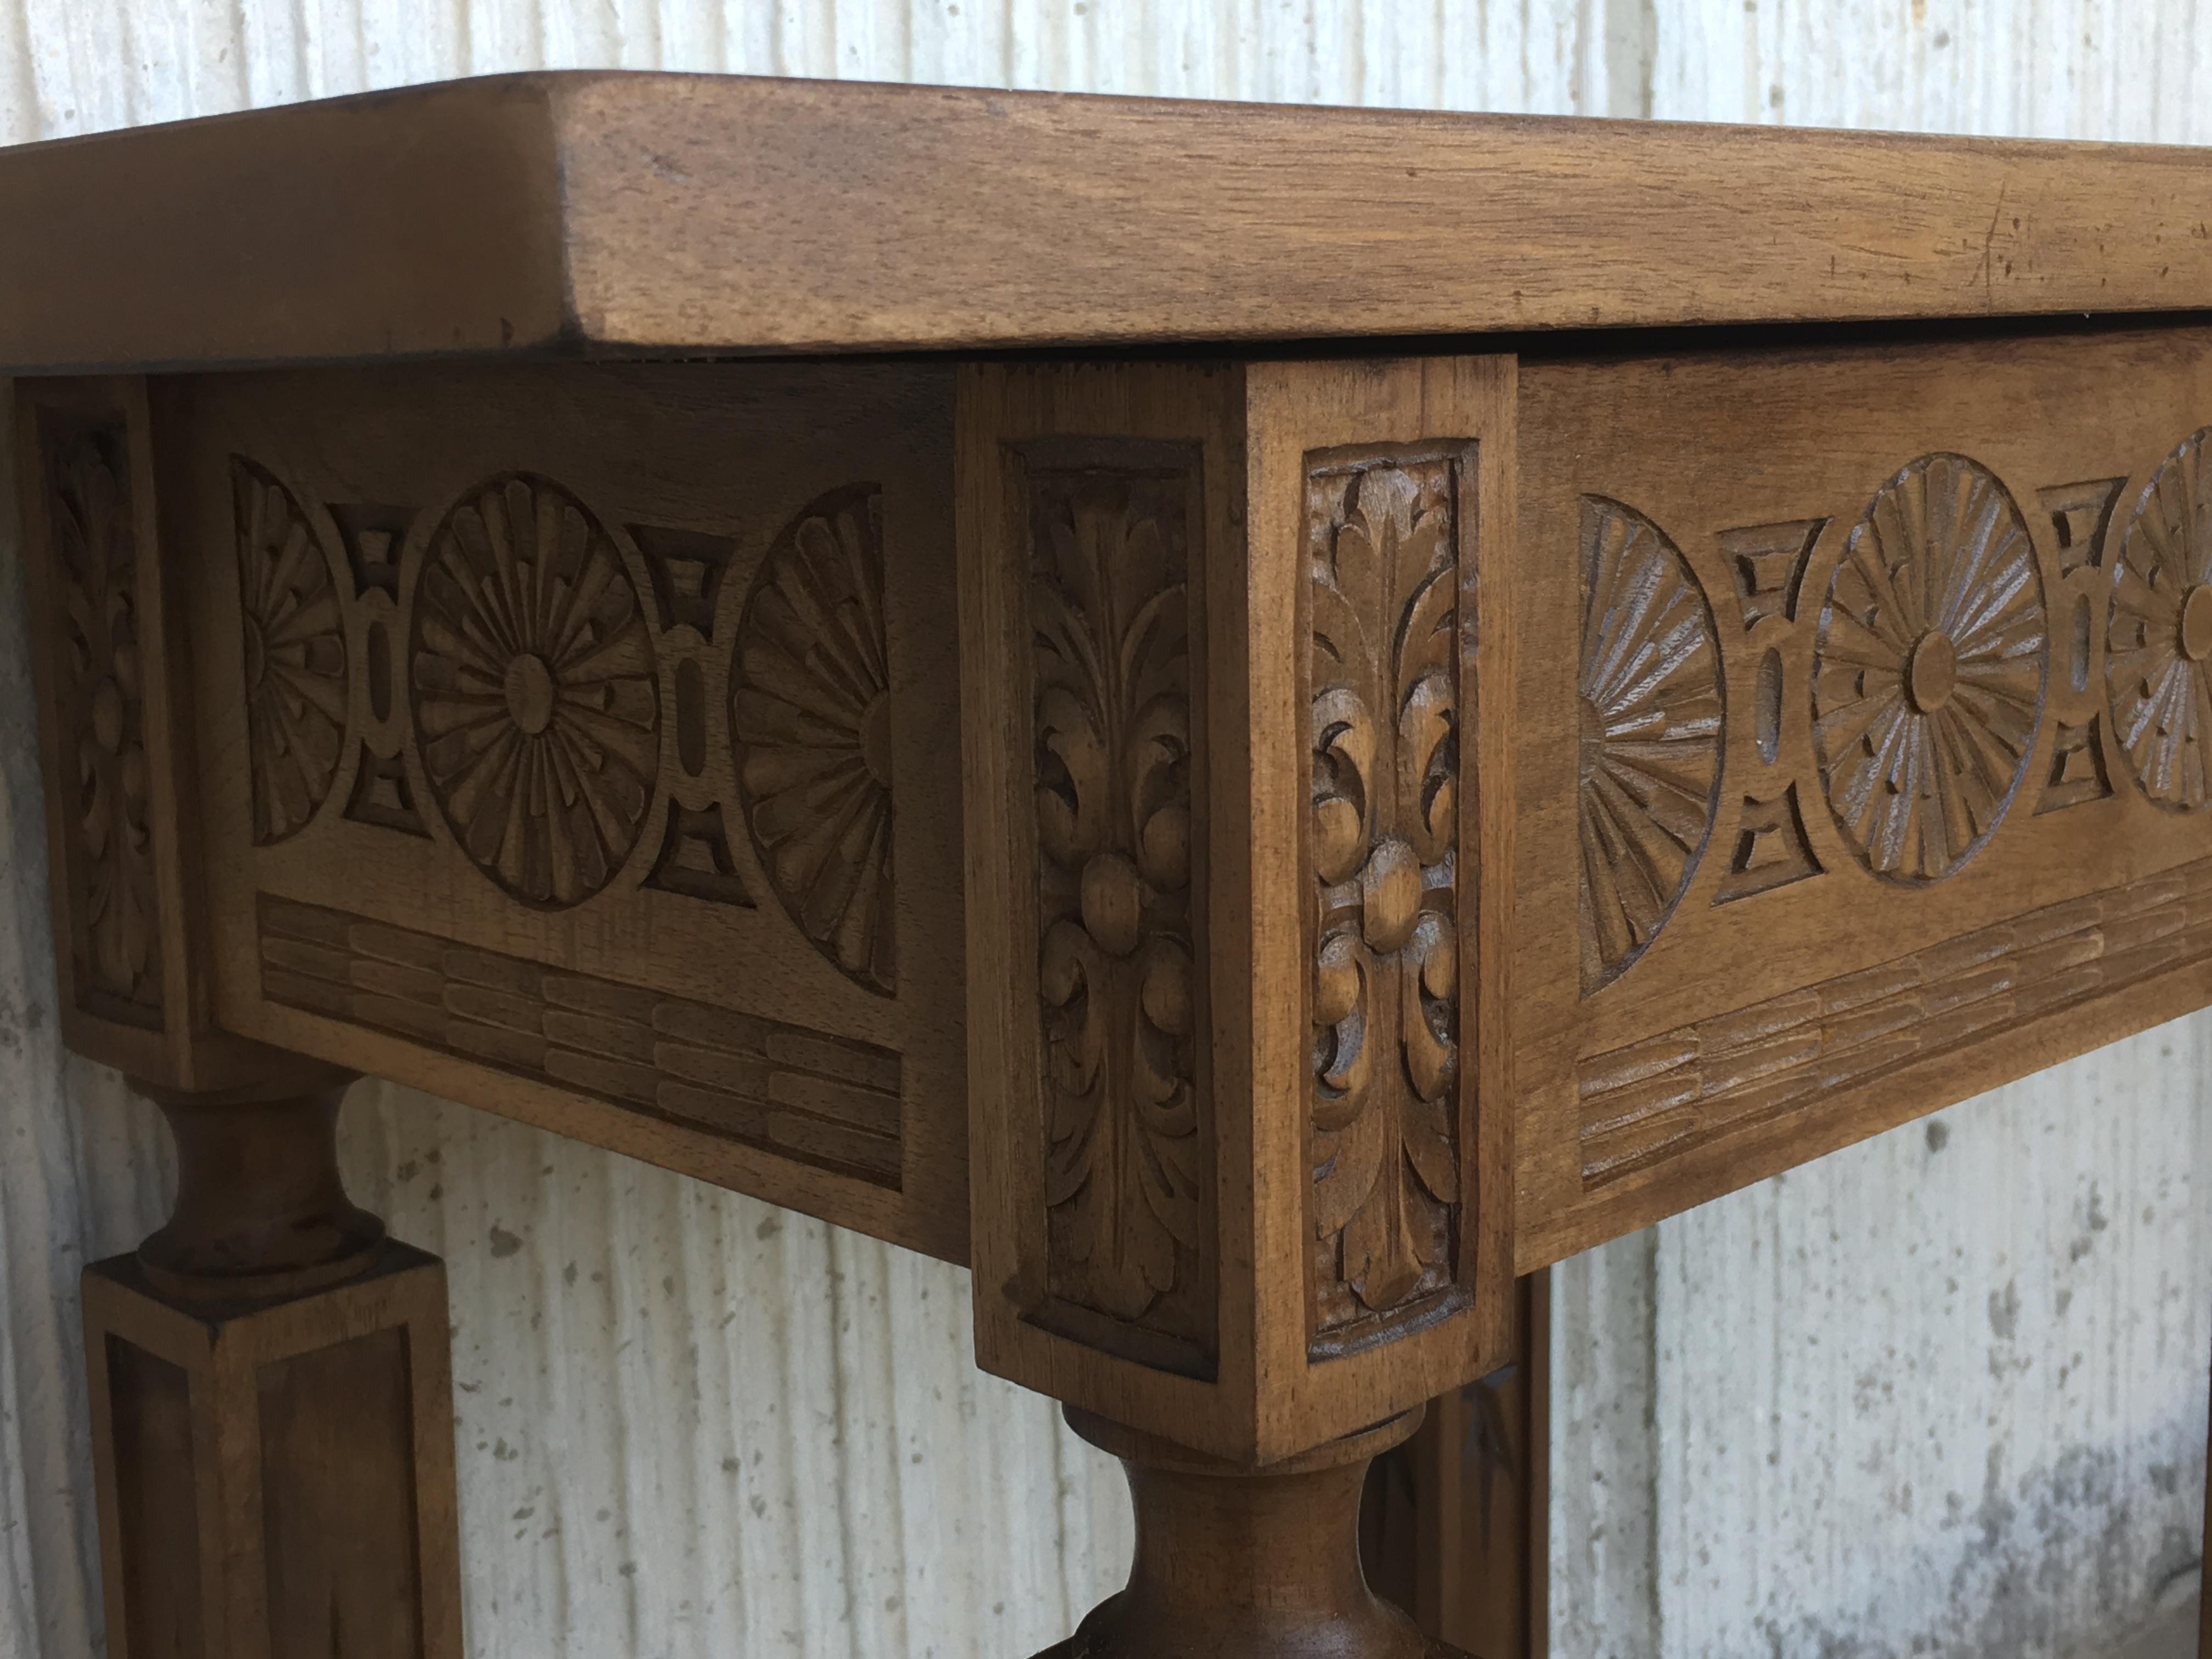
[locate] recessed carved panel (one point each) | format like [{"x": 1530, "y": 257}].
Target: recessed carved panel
[
  {"x": 807, "y": 1095},
  {"x": 102, "y": 702},
  {"x": 1929, "y": 674},
  {"x": 536, "y": 707},
  {"x": 2158, "y": 633},
  {"x": 292, "y": 625},
  {"x": 811, "y": 717},
  {"x": 1112, "y": 532},
  {"x": 1383, "y": 551},
  {"x": 1650, "y": 721}
]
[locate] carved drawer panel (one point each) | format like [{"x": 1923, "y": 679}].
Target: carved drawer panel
[
  {"x": 550, "y": 725},
  {"x": 1887, "y": 745}
]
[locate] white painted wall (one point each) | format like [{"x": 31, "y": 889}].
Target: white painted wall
[{"x": 1915, "y": 1399}]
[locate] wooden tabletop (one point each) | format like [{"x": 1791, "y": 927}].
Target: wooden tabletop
[{"x": 633, "y": 214}]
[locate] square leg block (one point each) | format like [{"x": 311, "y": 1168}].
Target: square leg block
[{"x": 275, "y": 1478}]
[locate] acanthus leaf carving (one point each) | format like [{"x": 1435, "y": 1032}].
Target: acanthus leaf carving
[
  {"x": 94, "y": 547},
  {"x": 1385, "y": 585},
  {"x": 1110, "y": 548}
]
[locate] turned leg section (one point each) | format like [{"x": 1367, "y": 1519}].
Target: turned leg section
[
  {"x": 271, "y": 1396},
  {"x": 1247, "y": 1564}
]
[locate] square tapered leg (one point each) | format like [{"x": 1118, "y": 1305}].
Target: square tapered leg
[{"x": 276, "y": 1476}]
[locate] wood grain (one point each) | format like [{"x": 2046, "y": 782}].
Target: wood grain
[
  {"x": 276, "y": 1477},
  {"x": 117, "y": 751},
  {"x": 625, "y": 699},
  {"x": 1924, "y": 820},
  {"x": 507, "y": 215},
  {"x": 1351, "y": 1208},
  {"x": 271, "y": 1402}
]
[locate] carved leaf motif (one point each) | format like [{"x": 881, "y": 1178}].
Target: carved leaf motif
[
  {"x": 2158, "y": 652},
  {"x": 537, "y": 706},
  {"x": 112, "y": 868},
  {"x": 1111, "y": 661},
  {"x": 1651, "y": 708},
  {"x": 295, "y": 654},
  {"x": 1929, "y": 669},
  {"x": 810, "y": 715},
  {"x": 1382, "y": 540},
  {"x": 111, "y": 844}
]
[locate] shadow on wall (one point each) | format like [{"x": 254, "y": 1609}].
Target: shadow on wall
[{"x": 1943, "y": 1392}]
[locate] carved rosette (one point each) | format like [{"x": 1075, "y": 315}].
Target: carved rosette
[
  {"x": 1650, "y": 723},
  {"x": 1382, "y": 545},
  {"x": 810, "y": 716},
  {"x": 110, "y": 834},
  {"x": 536, "y": 704},
  {"x": 293, "y": 631},
  {"x": 1929, "y": 669},
  {"x": 2158, "y": 645},
  {"x": 1109, "y": 556}
]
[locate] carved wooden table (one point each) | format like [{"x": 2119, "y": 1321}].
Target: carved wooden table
[{"x": 1249, "y": 721}]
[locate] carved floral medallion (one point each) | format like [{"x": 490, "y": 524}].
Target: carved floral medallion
[
  {"x": 2158, "y": 641},
  {"x": 294, "y": 632},
  {"x": 1929, "y": 669},
  {"x": 536, "y": 707},
  {"x": 1111, "y": 661},
  {"x": 109, "y": 840},
  {"x": 1651, "y": 733},
  {"x": 1383, "y": 542},
  {"x": 811, "y": 718}
]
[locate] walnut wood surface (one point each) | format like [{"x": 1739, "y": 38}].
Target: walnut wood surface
[
  {"x": 1226, "y": 1018},
  {"x": 270, "y": 1389},
  {"x": 643, "y": 213},
  {"x": 597, "y": 684},
  {"x": 1881, "y": 776},
  {"x": 1236, "y": 1564}
]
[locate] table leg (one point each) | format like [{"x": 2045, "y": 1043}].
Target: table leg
[
  {"x": 271, "y": 1390},
  {"x": 1246, "y": 1564}
]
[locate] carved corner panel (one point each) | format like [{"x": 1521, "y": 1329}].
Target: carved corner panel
[
  {"x": 598, "y": 698},
  {"x": 104, "y": 803},
  {"x": 1221, "y": 673},
  {"x": 1951, "y": 630},
  {"x": 1384, "y": 687},
  {"x": 1114, "y": 530},
  {"x": 118, "y": 763}
]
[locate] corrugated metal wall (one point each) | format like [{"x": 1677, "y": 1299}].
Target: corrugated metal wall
[{"x": 1943, "y": 1393}]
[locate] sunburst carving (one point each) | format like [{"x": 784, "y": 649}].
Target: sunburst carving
[
  {"x": 2158, "y": 642},
  {"x": 537, "y": 706},
  {"x": 295, "y": 654},
  {"x": 1929, "y": 669},
  {"x": 810, "y": 716},
  {"x": 1651, "y": 707}
]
